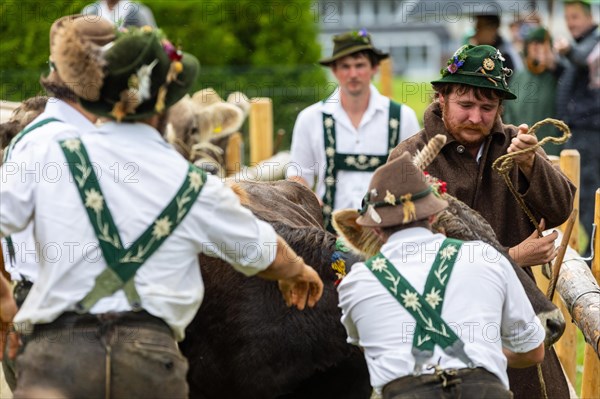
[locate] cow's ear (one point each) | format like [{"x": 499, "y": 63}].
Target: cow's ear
[{"x": 361, "y": 240}]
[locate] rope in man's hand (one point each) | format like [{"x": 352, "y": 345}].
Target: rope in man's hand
[{"x": 504, "y": 164}]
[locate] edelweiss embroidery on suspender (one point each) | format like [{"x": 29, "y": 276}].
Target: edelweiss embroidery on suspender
[
  {"x": 352, "y": 162},
  {"x": 431, "y": 329},
  {"x": 123, "y": 263},
  {"x": 9, "y": 242}
]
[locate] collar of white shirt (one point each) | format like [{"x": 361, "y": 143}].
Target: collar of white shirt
[
  {"x": 377, "y": 102},
  {"x": 65, "y": 113},
  {"x": 136, "y": 132},
  {"x": 401, "y": 238}
]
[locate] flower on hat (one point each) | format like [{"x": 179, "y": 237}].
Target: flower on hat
[
  {"x": 362, "y": 35},
  {"x": 439, "y": 186},
  {"x": 455, "y": 62}
]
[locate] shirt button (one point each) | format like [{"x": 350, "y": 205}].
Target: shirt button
[{"x": 460, "y": 149}]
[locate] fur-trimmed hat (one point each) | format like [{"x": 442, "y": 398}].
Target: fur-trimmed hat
[
  {"x": 478, "y": 66},
  {"x": 88, "y": 34},
  {"x": 352, "y": 42},
  {"x": 137, "y": 75},
  {"x": 398, "y": 194}
]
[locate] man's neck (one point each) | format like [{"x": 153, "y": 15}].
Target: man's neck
[
  {"x": 355, "y": 106},
  {"x": 86, "y": 114},
  {"x": 112, "y": 3}
]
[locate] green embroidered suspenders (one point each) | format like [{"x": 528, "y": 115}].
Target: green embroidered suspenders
[
  {"x": 352, "y": 162},
  {"x": 9, "y": 242},
  {"x": 430, "y": 329},
  {"x": 123, "y": 263}
]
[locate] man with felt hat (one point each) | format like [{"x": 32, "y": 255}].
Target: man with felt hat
[
  {"x": 62, "y": 111},
  {"x": 467, "y": 108},
  {"x": 126, "y": 216},
  {"x": 468, "y": 103},
  {"x": 338, "y": 143},
  {"x": 405, "y": 306}
]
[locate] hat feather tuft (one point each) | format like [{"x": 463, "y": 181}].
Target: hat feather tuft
[{"x": 79, "y": 63}]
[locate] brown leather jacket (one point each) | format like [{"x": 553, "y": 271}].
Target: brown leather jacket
[{"x": 548, "y": 195}]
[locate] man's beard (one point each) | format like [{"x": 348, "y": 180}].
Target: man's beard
[{"x": 456, "y": 129}]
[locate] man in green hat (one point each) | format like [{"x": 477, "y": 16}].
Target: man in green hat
[
  {"x": 467, "y": 108},
  {"x": 121, "y": 220},
  {"x": 469, "y": 97},
  {"x": 536, "y": 87},
  {"x": 339, "y": 142},
  {"x": 407, "y": 306}
]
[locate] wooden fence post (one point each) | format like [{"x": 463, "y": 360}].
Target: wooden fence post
[
  {"x": 261, "y": 129},
  {"x": 590, "y": 382},
  {"x": 566, "y": 347},
  {"x": 386, "y": 69},
  {"x": 233, "y": 154}
]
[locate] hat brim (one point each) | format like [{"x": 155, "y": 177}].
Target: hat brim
[
  {"x": 394, "y": 215},
  {"x": 474, "y": 81},
  {"x": 355, "y": 49},
  {"x": 175, "y": 91}
]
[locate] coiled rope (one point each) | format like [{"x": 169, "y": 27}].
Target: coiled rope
[{"x": 504, "y": 164}]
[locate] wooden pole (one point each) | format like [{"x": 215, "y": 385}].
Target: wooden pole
[
  {"x": 590, "y": 383},
  {"x": 386, "y": 69},
  {"x": 233, "y": 154},
  {"x": 261, "y": 129},
  {"x": 570, "y": 166},
  {"x": 566, "y": 347}
]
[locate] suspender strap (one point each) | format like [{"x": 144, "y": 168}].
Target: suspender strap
[
  {"x": 431, "y": 328},
  {"x": 352, "y": 162},
  {"x": 123, "y": 263},
  {"x": 11, "y": 145}
]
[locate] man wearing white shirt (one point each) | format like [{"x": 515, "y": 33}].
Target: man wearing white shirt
[
  {"x": 123, "y": 221},
  {"x": 122, "y": 13},
  {"x": 436, "y": 317},
  {"x": 21, "y": 250},
  {"x": 340, "y": 141}
]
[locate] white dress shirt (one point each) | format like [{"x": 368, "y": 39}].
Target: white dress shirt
[
  {"x": 27, "y": 250},
  {"x": 485, "y": 304},
  {"x": 371, "y": 138},
  {"x": 139, "y": 174}
]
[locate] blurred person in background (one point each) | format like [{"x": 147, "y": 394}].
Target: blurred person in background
[
  {"x": 578, "y": 99},
  {"x": 122, "y": 13},
  {"x": 536, "y": 88}
]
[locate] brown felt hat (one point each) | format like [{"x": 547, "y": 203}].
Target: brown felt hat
[
  {"x": 352, "y": 42},
  {"x": 87, "y": 32},
  {"x": 398, "y": 194}
]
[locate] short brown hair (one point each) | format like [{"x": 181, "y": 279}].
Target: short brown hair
[
  {"x": 368, "y": 54},
  {"x": 57, "y": 90}
]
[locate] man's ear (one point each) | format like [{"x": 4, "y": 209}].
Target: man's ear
[{"x": 441, "y": 99}]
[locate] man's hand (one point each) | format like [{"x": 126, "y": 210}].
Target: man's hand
[
  {"x": 305, "y": 288},
  {"x": 299, "y": 283},
  {"x": 8, "y": 309},
  {"x": 522, "y": 141},
  {"x": 535, "y": 250},
  {"x": 562, "y": 46}
]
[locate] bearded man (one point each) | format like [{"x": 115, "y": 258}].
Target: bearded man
[{"x": 467, "y": 109}]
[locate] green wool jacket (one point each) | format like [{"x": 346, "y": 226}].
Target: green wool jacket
[{"x": 549, "y": 194}]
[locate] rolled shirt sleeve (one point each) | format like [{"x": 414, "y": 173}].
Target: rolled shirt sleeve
[
  {"x": 232, "y": 232},
  {"x": 522, "y": 330}
]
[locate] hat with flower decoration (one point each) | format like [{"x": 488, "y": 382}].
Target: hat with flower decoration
[
  {"x": 399, "y": 194},
  {"x": 478, "y": 66},
  {"x": 139, "y": 74},
  {"x": 352, "y": 42}
]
